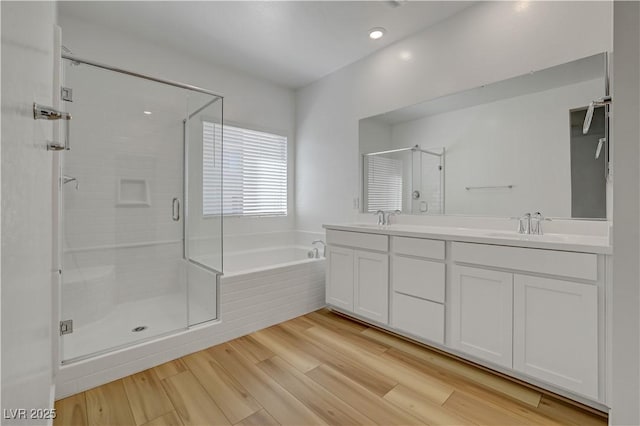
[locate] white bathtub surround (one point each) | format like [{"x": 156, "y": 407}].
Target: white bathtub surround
[
  {"x": 534, "y": 307},
  {"x": 253, "y": 296}
]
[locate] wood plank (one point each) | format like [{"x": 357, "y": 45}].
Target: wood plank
[
  {"x": 251, "y": 348},
  {"x": 108, "y": 405},
  {"x": 283, "y": 406},
  {"x": 425, "y": 410},
  {"x": 569, "y": 414},
  {"x": 191, "y": 401},
  {"x": 275, "y": 339},
  {"x": 363, "y": 374},
  {"x": 169, "y": 419},
  {"x": 234, "y": 401},
  {"x": 378, "y": 409},
  {"x": 483, "y": 413},
  {"x": 460, "y": 384},
  {"x": 71, "y": 411},
  {"x": 170, "y": 368},
  {"x": 430, "y": 387},
  {"x": 347, "y": 328},
  {"x": 147, "y": 398},
  {"x": 330, "y": 408},
  {"x": 299, "y": 323},
  {"x": 481, "y": 377},
  {"x": 375, "y": 381},
  {"x": 261, "y": 418},
  {"x": 332, "y": 321}
]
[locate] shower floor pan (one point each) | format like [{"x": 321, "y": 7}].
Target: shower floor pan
[{"x": 160, "y": 315}]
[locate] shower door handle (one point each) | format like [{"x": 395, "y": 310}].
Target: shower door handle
[{"x": 175, "y": 209}]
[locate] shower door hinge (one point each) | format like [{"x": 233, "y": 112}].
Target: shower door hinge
[
  {"x": 66, "y": 94},
  {"x": 66, "y": 327}
]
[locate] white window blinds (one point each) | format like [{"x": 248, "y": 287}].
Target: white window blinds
[
  {"x": 384, "y": 184},
  {"x": 254, "y": 168}
]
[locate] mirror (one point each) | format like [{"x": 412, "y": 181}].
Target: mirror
[{"x": 502, "y": 149}]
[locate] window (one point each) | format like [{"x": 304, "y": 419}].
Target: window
[
  {"x": 384, "y": 184},
  {"x": 254, "y": 172}
]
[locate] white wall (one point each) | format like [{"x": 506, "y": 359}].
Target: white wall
[
  {"x": 248, "y": 101},
  {"x": 27, "y": 76},
  {"x": 504, "y": 143},
  {"x": 485, "y": 43},
  {"x": 626, "y": 214}
]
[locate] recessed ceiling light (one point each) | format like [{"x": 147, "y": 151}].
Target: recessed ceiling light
[
  {"x": 376, "y": 33},
  {"x": 147, "y": 112}
]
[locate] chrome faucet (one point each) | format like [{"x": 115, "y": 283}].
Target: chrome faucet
[
  {"x": 536, "y": 223},
  {"x": 524, "y": 224},
  {"x": 382, "y": 220},
  {"x": 324, "y": 247}
]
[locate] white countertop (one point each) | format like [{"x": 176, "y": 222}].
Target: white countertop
[{"x": 565, "y": 242}]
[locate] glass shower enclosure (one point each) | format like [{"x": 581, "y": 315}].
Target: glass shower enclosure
[
  {"x": 407, "y": 179},
  {"x": 131, "y": 207}
]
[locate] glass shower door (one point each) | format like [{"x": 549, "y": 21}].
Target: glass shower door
[
  {"x": 124, "y": 269},
  {"x": 203, "y": 227}
]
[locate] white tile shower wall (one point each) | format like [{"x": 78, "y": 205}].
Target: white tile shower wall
[
  {"x": 112, "y": 141},
  {"x": 248, "y": 101},
  {"x": 249, "y": 302},
  {"x": 480, "y": 153},
  {"x": 27, "y": 272},
  {"x": 487, "y": 42}
]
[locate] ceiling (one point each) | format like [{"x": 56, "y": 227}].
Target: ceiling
[{"x": 291, "y": 43}]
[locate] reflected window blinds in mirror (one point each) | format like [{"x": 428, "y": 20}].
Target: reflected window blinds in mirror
[{"x": 517, "y": 134}]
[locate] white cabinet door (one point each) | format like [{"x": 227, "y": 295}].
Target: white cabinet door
[
  {"x": 372, "y": 286},
  {"x": 340, "y": 278},
  {"x": 556, "y": 332},
  {"x": 481, "y": 307}
]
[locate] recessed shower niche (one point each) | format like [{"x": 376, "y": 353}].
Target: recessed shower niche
[{"x": 133, "y": 192}]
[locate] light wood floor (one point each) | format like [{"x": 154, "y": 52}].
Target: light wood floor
[{"x": 317, "y": 369}]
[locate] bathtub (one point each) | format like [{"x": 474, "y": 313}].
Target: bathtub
[
  {"x": 268, "y": 279},
  {"x": 256, "y": 260}
]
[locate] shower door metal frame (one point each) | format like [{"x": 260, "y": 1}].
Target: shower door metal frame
[{"x": 57, "y": 355}]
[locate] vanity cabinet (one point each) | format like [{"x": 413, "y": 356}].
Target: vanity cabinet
[
  {"x": 534, "y": 313},
  {"x": 340, "y": 277},
  {"x": 546, "y": 328},
  {"x": 555, "y": 332},
  {"x": 482, "y": 314},
  {"x": 358, "y": 279},
  {"x": 371, "y": 285}
]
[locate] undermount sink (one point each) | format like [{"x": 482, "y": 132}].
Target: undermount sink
[{"x": 516, "y": 235}]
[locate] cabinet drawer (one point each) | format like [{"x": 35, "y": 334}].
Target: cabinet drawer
[
  {"x": 552, "y": 262},
  {"x": 419, "y": 247},
  {"x": 421, "y": 318},
  {"x": 420, "y": 278},
  {"x": 358, "y": 239}
]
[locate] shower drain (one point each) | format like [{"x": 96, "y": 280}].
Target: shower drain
[{"x": 139, "y": 328}]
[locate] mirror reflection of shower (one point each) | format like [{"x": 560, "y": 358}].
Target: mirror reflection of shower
[
  {"x": 605, "y": 100},
  {"x": 407, "y": 179}
]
